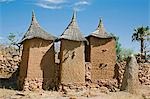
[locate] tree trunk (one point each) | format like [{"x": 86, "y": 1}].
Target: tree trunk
[
  {"x": 142, "y": 47},
  {"x": 145, "y": 55}
]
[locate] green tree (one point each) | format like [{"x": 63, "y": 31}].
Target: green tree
[
  {"x": 125, "y": 53},
  {"x": 122, "y": 53},
  {"x": 118, "y": 45},
  {"x": 141, "y": 34},
  {"x": 12, "y": 39}
]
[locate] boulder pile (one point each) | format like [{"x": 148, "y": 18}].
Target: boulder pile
[
  {"x": 144, "y": 73},
  {"x": 9, "y": 62},
  {"x": 33, "y": 84},
  {"x": 88, "y": 67}
]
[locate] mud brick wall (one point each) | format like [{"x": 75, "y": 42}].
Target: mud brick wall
[
  {"x": 102, "y": 56},
  {"x": 23, "y": 64},
  {"x": 72, "y": 62},
  {"x": 38, "y": 61}
]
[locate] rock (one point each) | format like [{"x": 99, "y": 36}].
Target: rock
[
  {"x": 104, "y": 90},
  {"x": 94, "y": 85},
  {"x": 20, "y": 94},
  {"x": 130, "y": 81},
  {"x": 146, "y": 96},
  {"x": 73, "y": 97},
  {"x": 88, "y": 66},
  {"x": 1, "y": 57},
  {"x": 16, "y": 97}
]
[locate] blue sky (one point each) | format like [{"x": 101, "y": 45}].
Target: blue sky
[{"x": 119, "y": 16}]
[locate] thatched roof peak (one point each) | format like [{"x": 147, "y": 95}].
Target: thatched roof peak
[
  {"x": 35, "y": 31},
  {"x": 100, "y": 31},
  {"x": 101, "y": 26},
  {"x": 74, "y": 16},
  {"x": 34, "y": 20},
  {"x": 72, "y": 32}
]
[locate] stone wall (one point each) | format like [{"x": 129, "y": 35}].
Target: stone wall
[
  {"x": 72, "y": 62},
  {"x": 9, "y": 63},
  {"x": 38, "y": 62},
  {"x": 102, "y": 57},
  {"x": 144, "y": 72}
]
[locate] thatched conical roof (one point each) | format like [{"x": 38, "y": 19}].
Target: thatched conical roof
[
  {"x": 72, "y": 32},
  {"x": 35, "y": 31},
  {"x": 100, "y": 31}
]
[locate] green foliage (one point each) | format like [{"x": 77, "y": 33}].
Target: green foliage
[
  {"x": 122, "y": 53},
  {"x": 12, "y": 39},
  {"x": 125, "y": 53},
  {"x": 142, "y": 35},
  {"x": 118, "y": 45}
]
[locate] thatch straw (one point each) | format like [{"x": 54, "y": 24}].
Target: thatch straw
[{"x": 35, "y": 31}]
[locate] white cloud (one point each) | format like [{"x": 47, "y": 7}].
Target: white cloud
[
  {"x": 77, "y": 5},
  {"x": 81, "y": 3},
  {"x": 48, "y": 6},
  {"x": 55, "y": 1},
  {"x": 3, "y": 1}
]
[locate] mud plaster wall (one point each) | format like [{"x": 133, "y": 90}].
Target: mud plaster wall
[
  {"x": 38, "y": 61},
  {"x": 72, "y": 66},
  {"x": 24, "y": 64},
  {"x": 102, "y": 57}
]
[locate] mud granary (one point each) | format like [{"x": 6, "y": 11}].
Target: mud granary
[
  {"x": 38, "y": 69},
  {"x": 72, "y": 61},
  {"x": 101, "y": 53},
  {"x": 38, "y": 58}
]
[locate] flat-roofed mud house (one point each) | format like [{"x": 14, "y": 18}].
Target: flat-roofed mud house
[
  {"x": 72, "y": 57},
  {"x": 38, "y": 58},
  {"x": 101, "y": 53}
]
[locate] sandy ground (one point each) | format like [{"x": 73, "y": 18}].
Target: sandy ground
[{"x": 14, "y": 94}]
